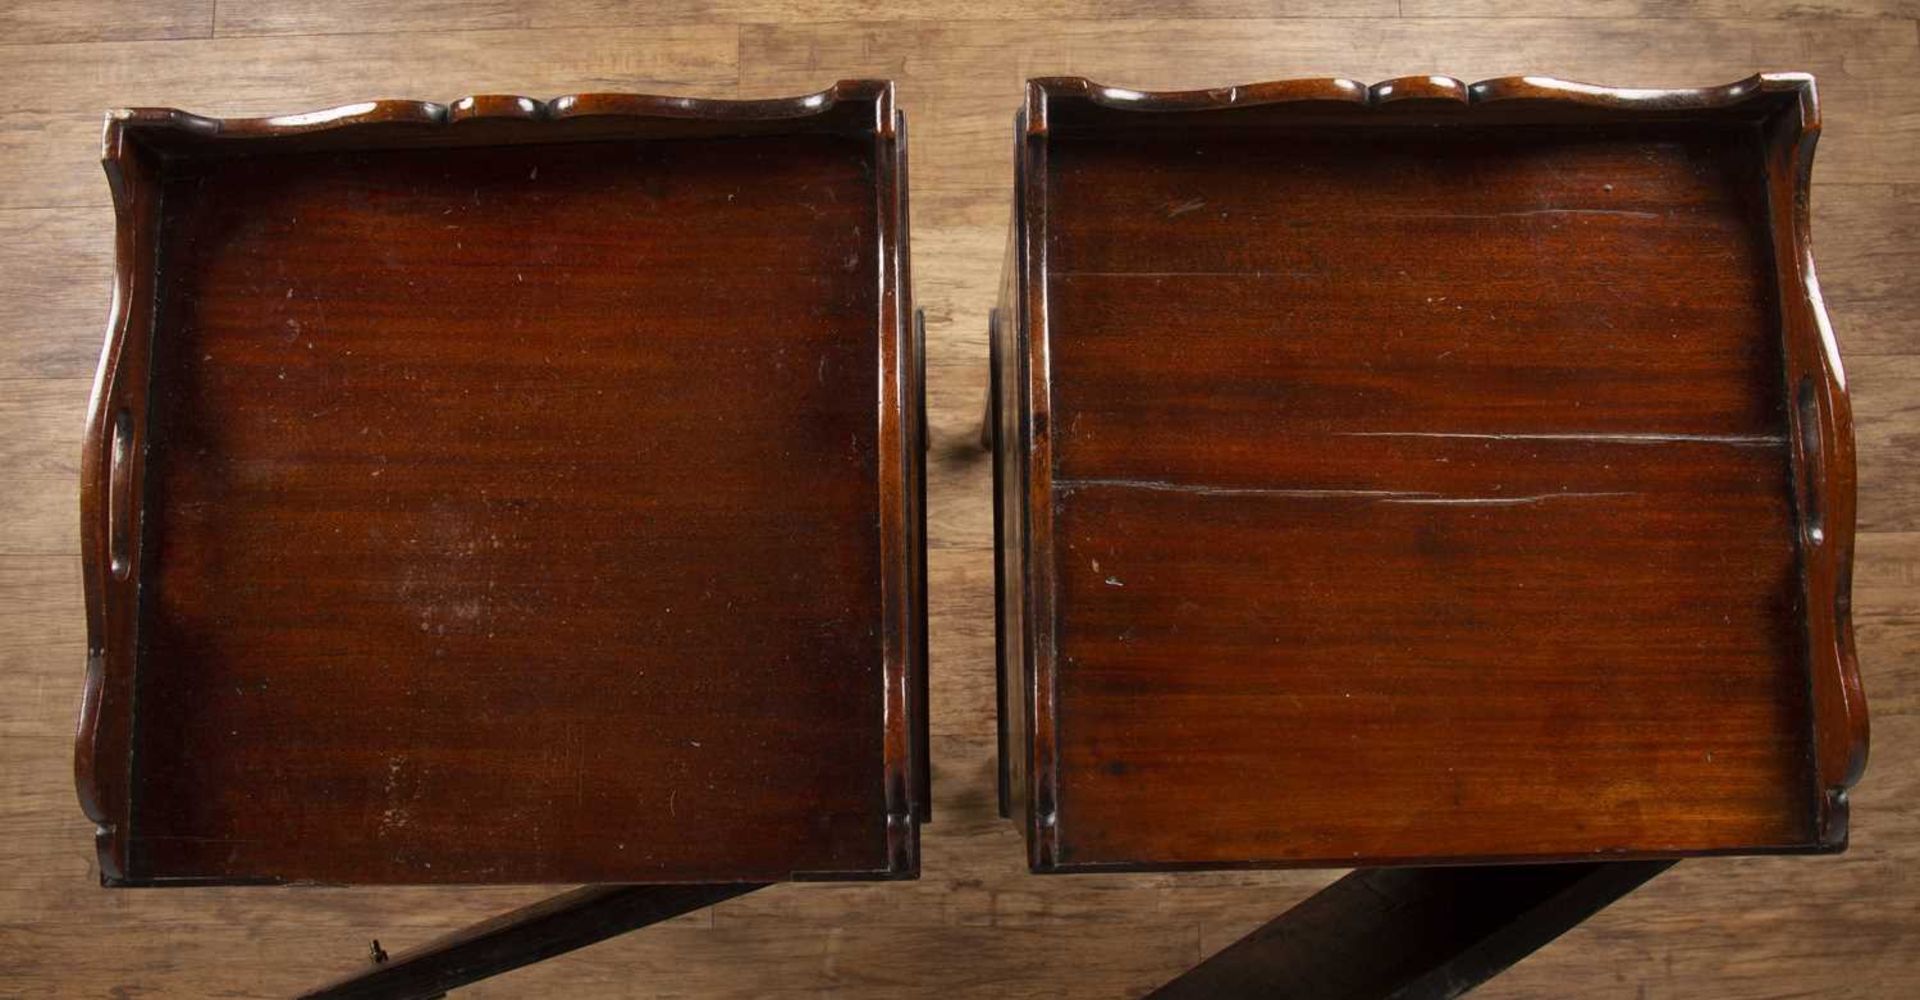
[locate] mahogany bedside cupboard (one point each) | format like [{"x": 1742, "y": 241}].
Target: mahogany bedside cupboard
[
  {"x": 508, "y": 492},
  {"x": 1420, "y": 474}
]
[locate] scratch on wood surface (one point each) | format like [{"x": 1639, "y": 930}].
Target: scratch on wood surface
[
  {"x": 396, "y": 815},
  {"x": 1387, "y": 496},
  {"x": 1163, "y": 486},
  {"x": 1624, "y": 213},
  {"x": 1506, "y": 501},
  {"x": 1246, "y": 273},
  {"x": 1738, "y": 440}
]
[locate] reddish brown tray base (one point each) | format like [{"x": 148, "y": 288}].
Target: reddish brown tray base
[
  {"x": 1421, "y": 474},
  {"x": 508, "y": 492}
]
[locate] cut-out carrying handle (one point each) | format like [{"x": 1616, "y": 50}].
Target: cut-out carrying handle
[{"x": 120, "y": 512}]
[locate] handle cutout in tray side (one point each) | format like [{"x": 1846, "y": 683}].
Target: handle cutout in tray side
[
  {"x": 1806, "y": 404},
  {"x": 120, "y": 511}
]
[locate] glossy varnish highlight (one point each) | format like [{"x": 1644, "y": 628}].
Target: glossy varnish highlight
[
  {"x": 526, "y": 497},
  {"x": 1415, "y": 473}
]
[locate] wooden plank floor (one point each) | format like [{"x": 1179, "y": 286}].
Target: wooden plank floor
[{"x": 976, "y": 924}]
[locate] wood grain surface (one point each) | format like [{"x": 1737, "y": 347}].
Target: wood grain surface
[
  {"x": 548, "y": 533},
  {"x": 975, "y": 925},
  {"x": 1411, "y": 475}
]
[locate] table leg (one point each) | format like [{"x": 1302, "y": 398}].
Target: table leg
[
  {"x": 990, "y": 440},
  {"x": 522, "y": 937},
  {"x": 993, "y": 380},
  {"x": 1407, "y": 933}
]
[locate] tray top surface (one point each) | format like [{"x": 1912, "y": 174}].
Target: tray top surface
[
  {"x": 1419, "y": 492},
  {"x": 512, "y": 514}
]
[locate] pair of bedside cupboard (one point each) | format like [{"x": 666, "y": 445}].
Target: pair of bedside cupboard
[{"x": 1397, "y": 477}]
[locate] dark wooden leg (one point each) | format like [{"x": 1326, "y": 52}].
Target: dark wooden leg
[
  {"x": 919, "y": 400},
  {"x": 522, "y": 937},
  {"x": 993, "y": 380},
  {"x": 1411, "y": 933},
  {"x": 990, "y": 440},
  {"x": 917, "y": 517}
]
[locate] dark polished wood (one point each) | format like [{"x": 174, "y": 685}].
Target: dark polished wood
[
  {"x": 521, "y": 937},
  {"x": 1421, "y": 472},
  {"x": 1411, "y": 933},
  {"x": 508, "y": 491}
]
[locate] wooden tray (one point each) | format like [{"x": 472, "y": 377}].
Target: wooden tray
[
  {"x": 1421, "y": 473},
  {"x": 508, "y": 492}
]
